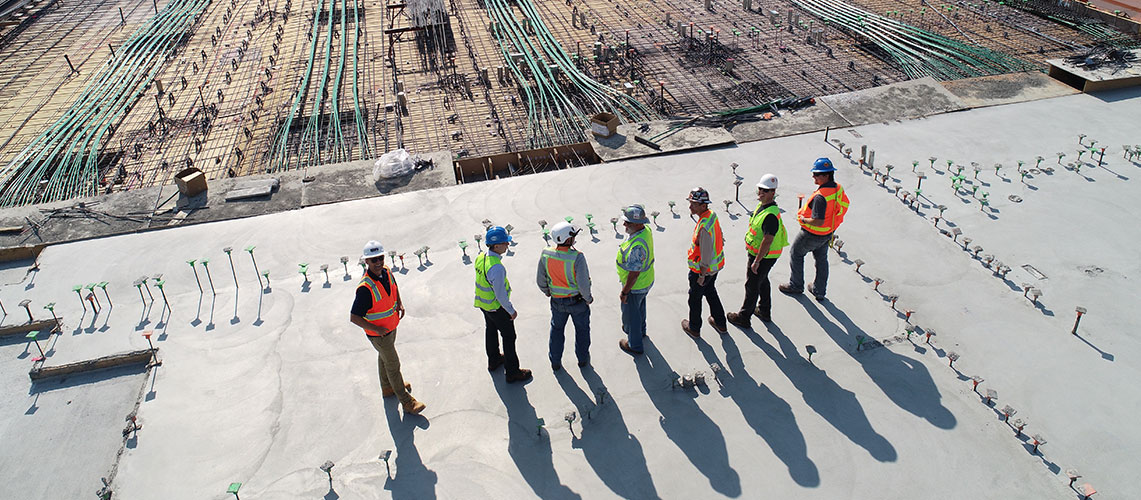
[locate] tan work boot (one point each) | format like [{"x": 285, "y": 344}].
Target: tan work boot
[
  {"x": 412, "y": 406},
  {"x": 389, "y": 392}
]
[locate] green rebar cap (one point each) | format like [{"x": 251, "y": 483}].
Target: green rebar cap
[{"x": 250, "y": 249}]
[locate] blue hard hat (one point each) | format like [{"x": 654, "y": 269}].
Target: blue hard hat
[
  {"x": 822, "y": 165},
  {"x": 496, "y": 235}
]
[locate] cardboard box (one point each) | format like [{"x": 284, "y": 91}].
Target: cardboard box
[
  {"x": 190, "y": 181},
  {"x": 603, "y": 124}
]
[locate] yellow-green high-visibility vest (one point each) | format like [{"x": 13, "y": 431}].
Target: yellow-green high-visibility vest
[
  {"x": 484, "y": 294},
  {"x": 560, "y": 272},
  {"x": 645, "y": 240},
  {"x": 755, "y": 235}
]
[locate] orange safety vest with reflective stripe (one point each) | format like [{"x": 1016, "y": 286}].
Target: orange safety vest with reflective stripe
[
  {"x": 709, "y": 223},
  {"x": 560, "y": 272},
  {"x": 383, "y": 312},
  {"x": 833, "y": 213}
]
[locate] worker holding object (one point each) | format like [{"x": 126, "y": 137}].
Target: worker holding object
[{"x": 818, "y": 219}]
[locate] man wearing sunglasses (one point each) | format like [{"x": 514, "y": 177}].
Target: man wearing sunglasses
[
  {"x": 818, "y": 219},
  {"x": 378, "y": 310},
  {"x": 764, "y": 242}
]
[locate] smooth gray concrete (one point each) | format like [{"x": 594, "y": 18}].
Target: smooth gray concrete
[
  {"x": 262, "y": 387},
  {"x": 1007, "y": 89},
  {"x": 675, "y": 136},
  {"x": 894, "y": 102}
]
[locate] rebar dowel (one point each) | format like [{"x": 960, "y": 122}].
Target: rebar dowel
[
  {"x": 195, "y": 269},
  {"x": 210, "y": 279},
  {"x": 250, "y": 250},
  {"x": 78, "y": 289}
]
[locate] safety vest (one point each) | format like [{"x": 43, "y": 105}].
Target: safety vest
[
  {"x": 560, "y": 272},
  {"x": 645, "y": 240},
  {"x": 755, "y": 235},
  {"x": 484, "y": 294},
  {"x": 383, "y": 312},
  {"x": 833, "y": 214},
  {"x": 708, "y": 223}
]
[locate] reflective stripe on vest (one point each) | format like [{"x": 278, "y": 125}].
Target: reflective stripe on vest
[
  {"x": 755, "y": 235},
  {"x": 833, "y": 213},
  {"x": 383, "y": 312},
  {"x": 644, "y": 240},
  {"x": 484, "y": 293},
  {"x": 560, "y": 272},
  {"x": 708, "y": 223}
]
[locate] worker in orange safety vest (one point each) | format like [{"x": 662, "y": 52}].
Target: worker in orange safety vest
[
  {"x": 563, "y": 276},
  {"x": 378, "y": 309},
  {"x": 818, "y": 218},
  {"x": 706, "y": 257}
]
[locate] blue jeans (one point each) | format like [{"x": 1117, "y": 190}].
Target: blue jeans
[
  {"x": 579, "y": 311},
  {"x": 817, "y": 245},
  {"x": 634, "y": 319}
]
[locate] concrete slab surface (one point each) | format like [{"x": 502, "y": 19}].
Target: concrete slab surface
[
  {"x": 261, "y": 387},
  {"x": 810, "y": 119},
  {"x": 623, "y": 146},
  {"x": 1006, "y": 89},
  {"x": 894, "y": 102}
]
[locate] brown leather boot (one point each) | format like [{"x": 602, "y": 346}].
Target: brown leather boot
[
  {"x": 412, "y": 406},
  {"x": 389, "y": 392}
]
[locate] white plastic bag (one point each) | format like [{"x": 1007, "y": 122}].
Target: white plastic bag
[{"x": 392, "y": 164}]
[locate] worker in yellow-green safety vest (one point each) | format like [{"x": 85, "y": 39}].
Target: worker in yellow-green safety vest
[
  {"x": 493, "y": 298},
  {"x": 563, "y": 276},
  {"x": 764, "y": 241},
  {"x": 818, "y": 219},
  {"x": 635, "y": 263},
  {"x": 706, "y": 258}
]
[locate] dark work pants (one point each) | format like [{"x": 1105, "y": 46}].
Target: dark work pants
[
  {"x": 709, "y": 292},
  {"x": 498, "y": 322},
  {"x": 757, "y": 287}
]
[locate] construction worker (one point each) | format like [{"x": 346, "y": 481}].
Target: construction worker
[
  {"x": 764, "y": 242},
  {"x": 635, "y": 263},
  {"x": 378, "y": 309},
  {"x": 818, "y": 219},
  {"x": 706, "y": 258},
  {"x": 564, "y": 277},
  {"x": 493, "y": 297}
]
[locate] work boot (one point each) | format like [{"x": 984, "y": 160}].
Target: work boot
[
  {"x": 389, "y": 392},
  {"x": 689, "y": 331},
  {"x": 762, "y": 316},
  {"x": 522, "y": 375},
  {"x": 721, "y": 330},
  {"x": 413, "y": 407},
  {"x": 556, "y": 367},
  {"x": 789, "y": 290},
  {"x": 625, "y": 346},
  {"x": 812, "y": 289},
  {"x": 738, "y": 319}
]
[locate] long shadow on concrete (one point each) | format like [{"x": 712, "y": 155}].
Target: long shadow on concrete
[
  {"x": 413, "y": 480},
  {"x": 529, "y": 446},
  {"x": 902, "y": 379},
  {"x": 686, "y": 424},
  {"x": 831, "y": 401},
  {"x": 615, "y": 455},
  {"x": 769, "y": 415}
]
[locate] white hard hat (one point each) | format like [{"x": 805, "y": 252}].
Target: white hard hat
[
  {"x": 564, "y": 231},
  {"x": 768, "y": 181},
  {"x": 373, "y": 249}
]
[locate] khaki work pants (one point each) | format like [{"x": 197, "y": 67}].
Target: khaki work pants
[{"x": 388, "y": 366}]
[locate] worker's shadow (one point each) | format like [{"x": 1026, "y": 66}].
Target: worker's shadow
[
  {"x": 412, "y": 480},
  {"x": 904, "y": 380},
  {"x": 605, "y": 439},
  {"x": 529, "y": 444},
  {"x": 769, "y": 415},
  {"x": 686, "y": 424},
  {"x": 825, "y": 396}
]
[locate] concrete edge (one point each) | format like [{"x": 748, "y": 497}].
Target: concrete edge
[
  {"x": 140, "y": 357},
  {"x": 49, "y": 325}
]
